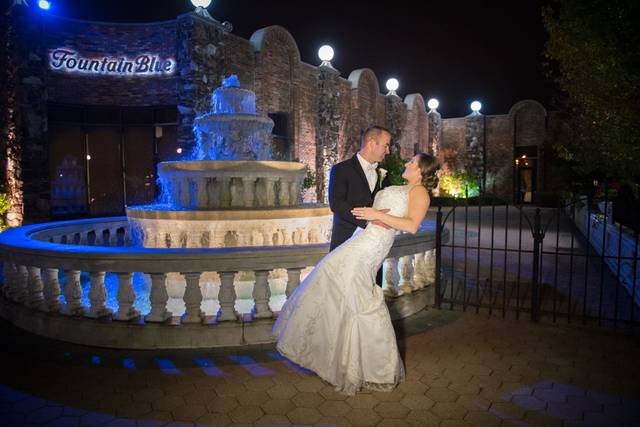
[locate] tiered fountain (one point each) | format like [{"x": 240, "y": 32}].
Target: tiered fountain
[{"x": 230, "y": 193}]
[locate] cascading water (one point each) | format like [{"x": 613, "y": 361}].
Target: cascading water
[{"x": 228, "y": 192}]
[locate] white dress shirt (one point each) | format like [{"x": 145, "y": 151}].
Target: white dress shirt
[{"x": 369, "y": 171}]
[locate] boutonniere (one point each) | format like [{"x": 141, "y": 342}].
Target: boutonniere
[{"x": 381, "y": 173}]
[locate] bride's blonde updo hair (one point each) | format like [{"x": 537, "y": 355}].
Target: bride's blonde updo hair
[{"x": 429, "y": 167}]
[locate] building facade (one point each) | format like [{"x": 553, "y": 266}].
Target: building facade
[{"x": 90, "y": 108}]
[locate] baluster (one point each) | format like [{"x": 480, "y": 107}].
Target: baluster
[
  {"x": 159, "y": 298},
  {"x": 227, "y": 297},
  {"x": 36, "y": 298},
  {"x": 294, "y": 189},
  {"x": 73, "y": 294},
  {"x": 126, "y": 298},
  {"x": 9, "y": 279},
  {"x": 283, "y": 199},
  {"x": 419, "y": 278},
  {"x": 270, "y": 191},
  {"x": 201, "y": 193},
  {"x": 392, "y": 278},
  {"x": 20, "y": 292},
  {"x": 225, "y": 192},
  {"x": 261, "y": 295},
  {"x": 293, "y": 280},
  {"x": 98, "y": 296},
  {"x": 406, "y": 274},
  {"x": 52, "y": 290},
  {"x": 430, "y": 267},
  {"x": 192, "y": 299},
  {"x": 113, "y": 236},
  {"x": 249, "y": 191}
]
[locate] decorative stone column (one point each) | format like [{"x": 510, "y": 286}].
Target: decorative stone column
[
  {"x": 261, "y": 295},
  {"x": 435, "y": 131},
  {"x": 159, "y": 298},
  {"x": 51, "y": 290},
  {"x": 98, "y": 296},
  {"x": 126, "y": 298},
  {"x": 200, "y": 59},
  {"x": 227, "y": 297},
  {"x": 192, "y": 299},
  {"x": 391, "y": 277},
  {"x": 293, "y": 280},
  {"x": 36, "y": 298},
  {"x": 73, "y": 294},
  {"x": 328, "y": 128},
  {"x": 395, "y": 116},
  {"x": 23, "y": 122},
  {"x": 474, "y": 136}
]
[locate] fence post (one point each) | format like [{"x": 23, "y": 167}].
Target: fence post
[
  {"x": 538, "y": 235},
  {"x": 438, "y": 298}
]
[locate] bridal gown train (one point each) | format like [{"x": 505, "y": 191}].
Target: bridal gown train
[{"x": 336, "y": 323}]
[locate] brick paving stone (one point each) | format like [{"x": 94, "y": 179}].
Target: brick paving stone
[
  {"x": 255, "y": 398},
  {"x": 209, "y": 420},
  {"x": 334, "y": 408},
  {"x": 167, "y": 403},
  {"x": 413, "y": 387},
  {"x": 43, "y": 415},
  {"x": 507, "y": 410},
  {"x": 563, "y": 411},
  {"x": 282, "y": 391},
  {"x": 134, "y": 410},
  {"x": 482, "y": 419},
  {"x": 259, "y": 384},
  {"x": 272, "y": 420},
  {"x": 307, "y": 400},
  {"x": 304, "y": 415},
  {"x": 363, "y": 417},
  {"x": 413, "y": 401},
  {"x": 69, "y": 422},
  {"x": 530, "y": 403},
  {"x": 278, "y": 406},
  {"x": 391, "y": 410},
  {"x": 246, "y": 414},
  {"x": 329, "y": 393},
  {"x": 333, "y": 422},
  {"x": 550, "y": 395},
  {"x": 362, "y": 401},
  {"x": 189, "y": 412},
  {"x": 441, "y": 394},
  {"x": 449, "y": 410}
]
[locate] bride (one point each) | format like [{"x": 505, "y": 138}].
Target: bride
[{"x": 336, "y": 323}]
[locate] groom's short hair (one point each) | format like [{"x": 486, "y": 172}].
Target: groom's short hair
[{"x": 373, "y": 131}]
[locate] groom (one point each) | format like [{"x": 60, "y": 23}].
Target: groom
[{"x": 355, "y": 182}]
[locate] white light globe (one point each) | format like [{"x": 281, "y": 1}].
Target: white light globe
[
  {"x": 433, "y": 104},
  {"x": 44, "y": 5},
  {"x": 393, "y": 85},
  {"x": 201, "y": 3},
  {"x": 476, "y": 106},
  {"x": 325, "y": 53}
]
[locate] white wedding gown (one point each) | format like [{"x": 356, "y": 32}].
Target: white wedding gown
[{"x": 336, "y": 323}]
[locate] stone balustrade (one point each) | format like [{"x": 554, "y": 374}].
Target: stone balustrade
[{"x": 36, "y": 260}]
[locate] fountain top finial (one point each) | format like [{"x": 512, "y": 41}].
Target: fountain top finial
[{"x": 231, "y": 81}]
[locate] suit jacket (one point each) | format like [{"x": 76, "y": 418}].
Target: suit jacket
[{"x": 348, "y": 189}]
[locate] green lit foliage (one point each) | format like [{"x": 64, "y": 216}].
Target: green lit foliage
[
  {"x": 394, "y": 166},
  {"x": 459, "y": 185},
  {"x": 4, "y": 207},
  {"x": 309, "y": 180},
  {"x": 593, "y": 59}
]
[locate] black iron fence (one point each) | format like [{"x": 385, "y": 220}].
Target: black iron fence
[{"x": 572, "y": 261}]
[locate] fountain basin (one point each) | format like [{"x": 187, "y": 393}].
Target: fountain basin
[{"x": 221, "y": 184}]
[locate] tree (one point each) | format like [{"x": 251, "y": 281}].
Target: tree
[{"x": 593, "y": 57}]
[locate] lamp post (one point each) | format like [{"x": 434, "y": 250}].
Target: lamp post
[{"x": 325, "y": 53}]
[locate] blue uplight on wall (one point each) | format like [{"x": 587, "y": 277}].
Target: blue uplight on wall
[{"x": 44, "y": 4}]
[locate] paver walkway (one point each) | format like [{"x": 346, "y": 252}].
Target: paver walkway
[{"x": 462, "y": 369}]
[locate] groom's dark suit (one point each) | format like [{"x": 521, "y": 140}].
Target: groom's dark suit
[{"x": 348, "y": 189}]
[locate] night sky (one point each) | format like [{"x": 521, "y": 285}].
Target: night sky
[{"x": 454, "y": 51}]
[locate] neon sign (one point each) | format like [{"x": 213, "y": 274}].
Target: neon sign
[{"x": 144, "y": 65}]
